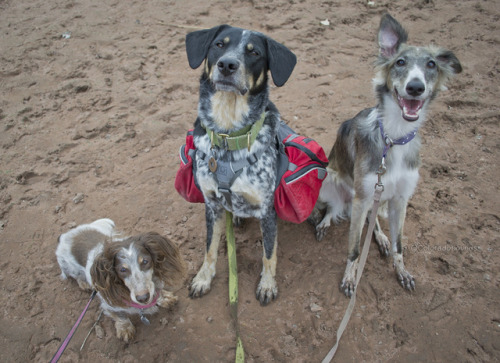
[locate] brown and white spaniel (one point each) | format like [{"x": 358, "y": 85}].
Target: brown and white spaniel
[{"x": 129, "y": 274}]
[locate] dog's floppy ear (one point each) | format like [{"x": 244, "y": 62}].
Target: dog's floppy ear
[
  {"x": 281, "y": 61},
  {"x": 105, "y": 280},
  {"x": 448, "y": 61},
  {"x": 390, "y": 36},
  {"x": 168, "y": 263},
  {"x": 198, "y": 42}
]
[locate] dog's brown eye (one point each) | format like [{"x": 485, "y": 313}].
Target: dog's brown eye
[
  {"x": 123, "y": 270},
  {"x": 254, "y": 53},
  {"x": 400, "y": 62},
  {"x": 431, "y": 64},
  {"x": 220, "y": 44}
]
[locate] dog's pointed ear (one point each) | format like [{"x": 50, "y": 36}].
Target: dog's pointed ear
[
  {"x": 198, "y": 42},
  {"x": 390, "y": 36},
  {"x": 281, "y": 62},
  {"x": 448, "y": 61}
]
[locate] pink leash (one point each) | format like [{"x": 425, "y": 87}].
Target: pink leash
[{"x": 65, "y": 343}]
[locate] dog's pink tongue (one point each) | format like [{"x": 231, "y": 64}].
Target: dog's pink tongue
[{"x": 411, "y": 108}]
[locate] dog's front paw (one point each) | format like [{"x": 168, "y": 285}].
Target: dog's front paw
[
  {"x": 406, "y": 279},
  {"x": 384, "y": 245},
  {"x": 347, "y": 287},
  {"x": 125, "y": 330},
  {"x": 166, "y": 299},
  {"x": 267, "y": 290},
  {"x": 200, "y": 285},
  {"x": 348, "y": 284}
]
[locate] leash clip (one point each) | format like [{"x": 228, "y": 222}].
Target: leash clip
[{"x": 381, "y": 171}]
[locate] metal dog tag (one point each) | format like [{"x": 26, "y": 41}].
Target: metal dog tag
[
  {"x": 144, "y": 320},
  {"x": 212, "y": 164}
]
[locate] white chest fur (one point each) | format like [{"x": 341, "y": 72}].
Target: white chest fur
[{"x": 399, "y": 179}]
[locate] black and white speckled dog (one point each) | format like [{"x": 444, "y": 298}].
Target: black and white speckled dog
[
  {"x": 408, "y": 79},
  {"x": 235, "y": 163}
]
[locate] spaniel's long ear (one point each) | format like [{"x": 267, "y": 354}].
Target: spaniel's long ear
[
  {"x": 169, "y": 265},
  {"x": 106, "y": 281},
  {"x": 198, "y": 42}
]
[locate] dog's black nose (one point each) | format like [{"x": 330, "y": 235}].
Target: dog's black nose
[
  {"x": 228, "y": 65},
  {"x": 143, "y": 298},
  {"x": 415, "y": 87}
]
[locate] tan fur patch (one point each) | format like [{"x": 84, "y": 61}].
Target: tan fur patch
[
  {"x": 269, "y": 265},
  {"x": 252, "y": 198},
  {"x": 250, "y": 81},
  {"x": 207, "y": 69},
  {"x": 260, "y": 80},
  {"x": 251, "y": 195},
  {"x": 228, "y": 109},
  {"x": 211, "y": 256}
]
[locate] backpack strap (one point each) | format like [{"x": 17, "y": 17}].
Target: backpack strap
[{"x": 283, "y": 164}]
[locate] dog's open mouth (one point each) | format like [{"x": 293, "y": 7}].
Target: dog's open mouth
[{"x": 409, "y": 108}]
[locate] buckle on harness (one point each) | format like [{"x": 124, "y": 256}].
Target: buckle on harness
[{"x": 224, "y": 138}]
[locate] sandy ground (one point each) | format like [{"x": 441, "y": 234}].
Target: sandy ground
[{"x": 91, "y": 124}]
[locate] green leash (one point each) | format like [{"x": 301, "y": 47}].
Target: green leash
[{"x": 233, "y": 285}]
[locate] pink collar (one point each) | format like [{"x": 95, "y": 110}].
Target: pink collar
[{"x": 139, "y": 306}]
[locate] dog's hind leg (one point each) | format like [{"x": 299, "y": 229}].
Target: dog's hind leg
[
  {"x": 323, "y": 226},
  {"x": 358, "y": 215},
  {"x": 397, "y": 215},
  {"x": 216, "y": 222},
  {"x": 335, "y": 197},
  {"x": 267, "y": 290}
]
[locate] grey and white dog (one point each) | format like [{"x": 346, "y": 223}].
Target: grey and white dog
[
  {"x": 408, "y": 78},
  {"x": 234, "y": 106}
]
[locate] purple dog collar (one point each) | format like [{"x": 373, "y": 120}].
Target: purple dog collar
[{"x": 389, "y": 142}]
